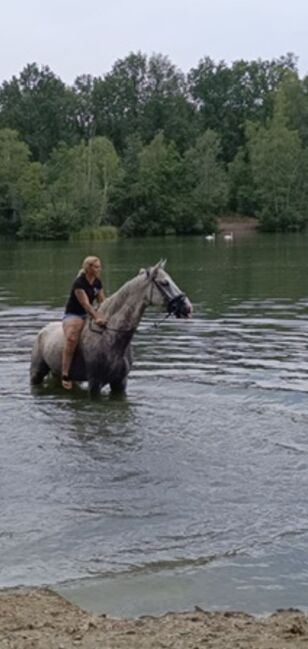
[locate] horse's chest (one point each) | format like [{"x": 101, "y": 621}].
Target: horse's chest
[{"x": 106, "y": 366}]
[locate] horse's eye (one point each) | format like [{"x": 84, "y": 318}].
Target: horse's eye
[{"x": 165, "y": 282}]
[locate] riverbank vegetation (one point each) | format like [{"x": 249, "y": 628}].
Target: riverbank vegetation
[{"x": 146, "y": 149}]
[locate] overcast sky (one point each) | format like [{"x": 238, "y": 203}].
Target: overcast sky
[{"x": 74, "y": 37}]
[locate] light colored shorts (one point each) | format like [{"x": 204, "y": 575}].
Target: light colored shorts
[{"x": 69, "y": 316}]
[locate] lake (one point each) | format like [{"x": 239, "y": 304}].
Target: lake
[{"x": 193, "y": 489}]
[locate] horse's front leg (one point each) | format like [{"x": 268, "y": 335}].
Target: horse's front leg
[
  {"x": 96, "y": 378},
  {"x": 94, "y": 388},
  {"x": 118, "y": 381},
  {"x": 118, "y": 387}
]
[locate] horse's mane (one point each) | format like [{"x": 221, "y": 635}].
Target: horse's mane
[{"x": 124, "y": 296}]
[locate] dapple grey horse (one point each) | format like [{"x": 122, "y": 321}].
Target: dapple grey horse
[{"x": 103, "y": 355}]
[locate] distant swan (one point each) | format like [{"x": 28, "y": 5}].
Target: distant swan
[
  {"x": 228, "y": 236},
  {"x": 210, "y": 237}
]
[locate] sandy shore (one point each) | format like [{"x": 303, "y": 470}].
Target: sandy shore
[
  {"x": 237, "y": 225},
  {"x": 41, "y": 619}
]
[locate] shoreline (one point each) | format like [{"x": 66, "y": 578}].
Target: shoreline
[
  {"x": 237, "y": 225},
  {"x": 40, "y": 617}
]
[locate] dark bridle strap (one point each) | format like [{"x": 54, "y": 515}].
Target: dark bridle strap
[{"x": 173, "y": 303}]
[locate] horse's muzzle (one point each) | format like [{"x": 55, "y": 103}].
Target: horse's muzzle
[{"x": 180, "y": 307}]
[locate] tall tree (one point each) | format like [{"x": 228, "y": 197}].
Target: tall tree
[
  {"x": 155, "y": 194},
  {"x": 143, "y": 96},
  {"x": 167, "y": 105},
  {"x": 38, "y": 105},
  {"x": 206, "y": 185},
  {"x": 226, "y": 97},
  {"x": 84, "y": 175},
  {"x": 73, "y": 190},
  {"x": 280, "y": 172},
  {"x": 83, "y": 107},
  {"x": 242, "y": 199},
  {"x": 292, "y": 92},
  {"x": 14, "y": 160},
  {"x": 118, "y": 99}
]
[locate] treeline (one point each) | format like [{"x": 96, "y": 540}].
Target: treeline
[{"x": 150, "y": 150}]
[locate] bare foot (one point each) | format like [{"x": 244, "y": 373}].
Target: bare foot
[{"x": 67, "y": 384}]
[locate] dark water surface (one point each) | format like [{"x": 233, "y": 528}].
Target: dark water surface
[{"x": 194, "y": 487}]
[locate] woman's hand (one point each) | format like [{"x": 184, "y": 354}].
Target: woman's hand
[{"x": 100, "y": 322}]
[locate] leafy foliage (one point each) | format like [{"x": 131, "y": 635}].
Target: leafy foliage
[
  {"x": 150, "y": 150},
  {"x": 38, "y": 106},
  {"x": 14, "y": 160},
  {"x": 154, "y": 193},
  {"x": 279, "y": 172}
]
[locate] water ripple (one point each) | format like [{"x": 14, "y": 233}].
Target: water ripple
[{"x": 205, "y": 459}]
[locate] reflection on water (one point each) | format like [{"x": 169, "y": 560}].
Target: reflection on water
[{"x": 203, "y": 464}]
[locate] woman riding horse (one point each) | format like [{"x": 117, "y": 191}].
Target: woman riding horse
[
  {"x": 86, "y": 288},
  {"x": 103, "y": 355}
]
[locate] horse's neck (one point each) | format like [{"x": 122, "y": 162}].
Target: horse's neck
[{"x": 127, "y": 305}]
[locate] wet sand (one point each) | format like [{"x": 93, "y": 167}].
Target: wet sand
[{"x": 42, "y": 619}]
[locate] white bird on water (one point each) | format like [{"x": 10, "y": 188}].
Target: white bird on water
[
  {"x": 228, "y": 236},
  {"x": 210, "y": 237}
]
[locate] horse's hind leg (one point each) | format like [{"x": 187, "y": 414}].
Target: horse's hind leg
[
  {"x": 38, "y": 375},
  {"x": 39, "y": 368}
]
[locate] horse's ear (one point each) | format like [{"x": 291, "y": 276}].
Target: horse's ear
[
  {"x": 142, "y": 270},
  {"x": 160, "y": 264},
  {"x": 154, "y": 270}
]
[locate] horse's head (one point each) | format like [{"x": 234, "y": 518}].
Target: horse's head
[{"x": 162, "y": 290}]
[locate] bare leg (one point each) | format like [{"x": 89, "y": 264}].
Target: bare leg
[{"x": 72, "y": 328}]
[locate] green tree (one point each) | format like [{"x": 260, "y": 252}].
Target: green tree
[
  {"x": 71, "y": 192},
  {"x": 292, "y": 93},
  {"x": 206, "y": 185},
  {"x": 83, "y": 107},
  {"x": 280, "y": 172},
  {"x": 84, "y": 177},
  {"x": 118, "y": 99},
  {"x": 241, "y": 187},
  {"x": 32, "y": 185},
  {"x": 123, "y": 198},
  {"x": 39, "y": 106},
  {"x": 155, "y": 194},
  {"x": 226, "y": 97},
  {"x": 14, "y": 161},
  {"x": 143, "y": 96},
  {"x": 167, "y": 107}
]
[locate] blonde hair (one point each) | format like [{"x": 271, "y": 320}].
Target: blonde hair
[{"x": 87, "y": 262}]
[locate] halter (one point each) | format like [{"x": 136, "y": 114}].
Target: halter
[{"x": 174, "y": 304}]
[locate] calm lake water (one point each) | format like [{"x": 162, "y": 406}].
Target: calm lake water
[{"x": 194, "y": 488}]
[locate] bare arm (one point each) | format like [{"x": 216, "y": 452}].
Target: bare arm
[{"x": 100, "y": 296}]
